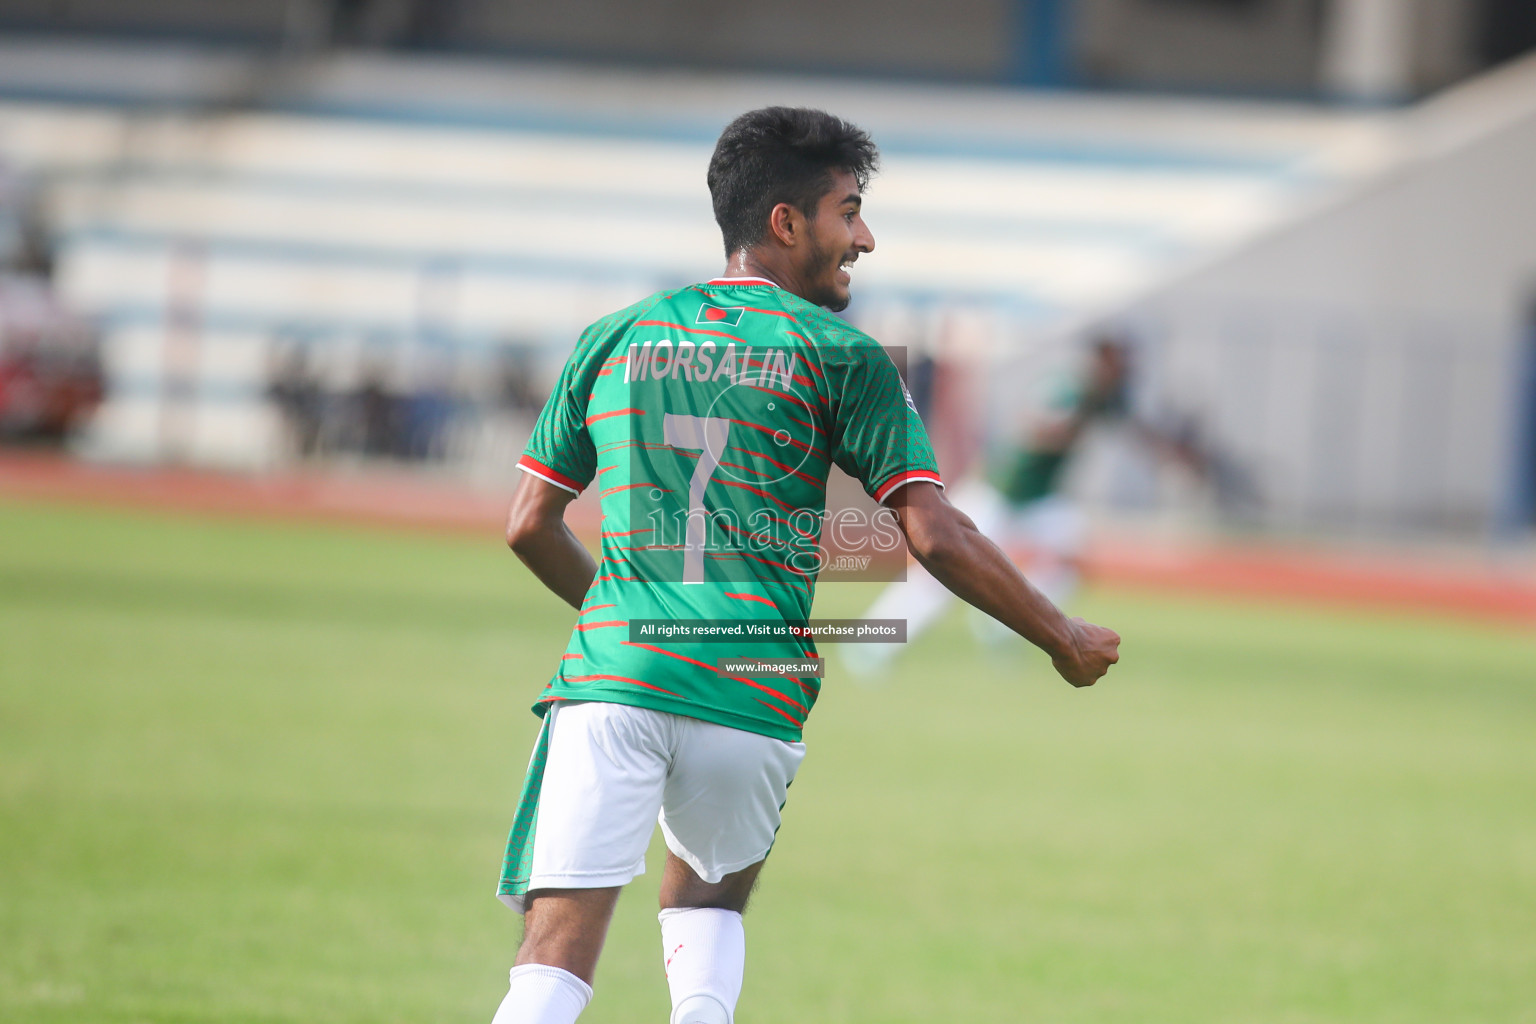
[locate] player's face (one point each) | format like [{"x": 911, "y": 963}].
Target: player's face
[
  {"x": 837, "y": 236},
  {"x": 1108, "y": 369}
]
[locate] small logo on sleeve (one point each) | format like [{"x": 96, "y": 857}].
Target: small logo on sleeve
[{"x": 727, "y": 316}]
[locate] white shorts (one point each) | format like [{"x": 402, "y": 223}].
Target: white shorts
[
  {"x": 613, "y": 771},
  {"x": 1050, "y": 527}
]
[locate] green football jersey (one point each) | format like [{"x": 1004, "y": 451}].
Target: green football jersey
[{"x": 709, "y": 418}]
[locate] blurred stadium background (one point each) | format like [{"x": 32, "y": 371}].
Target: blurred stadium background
[
  {"x": 294, "y": 231},
  {"x": 324, "y": 258}
]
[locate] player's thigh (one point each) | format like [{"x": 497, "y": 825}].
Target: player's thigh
[
  {"x": 1054, "y": 525},
  {"x": 603, "y": 783},
  {"x": 720, "y": 809}
]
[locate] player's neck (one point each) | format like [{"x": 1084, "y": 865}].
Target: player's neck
[{"x": 748, "y": 263}]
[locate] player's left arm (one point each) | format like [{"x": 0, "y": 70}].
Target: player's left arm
[{"x": 537, "y": 533}]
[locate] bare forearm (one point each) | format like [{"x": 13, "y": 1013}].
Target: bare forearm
[
  {"x": 979, "y": 573},
  {"x": 558, "y": 559}
]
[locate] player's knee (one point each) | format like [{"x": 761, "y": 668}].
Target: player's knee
[{"x": 701, "y": 1009}]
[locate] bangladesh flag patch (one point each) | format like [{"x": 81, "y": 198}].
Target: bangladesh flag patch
[{"x": 728, "y": 316}]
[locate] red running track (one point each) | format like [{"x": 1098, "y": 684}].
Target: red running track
[{"x": 416, "y": 500}]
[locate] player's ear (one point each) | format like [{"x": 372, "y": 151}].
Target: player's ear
[{"x": 784, "y": 224}]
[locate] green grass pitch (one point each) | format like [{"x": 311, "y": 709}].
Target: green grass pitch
[{"x": 257, "y": 772}]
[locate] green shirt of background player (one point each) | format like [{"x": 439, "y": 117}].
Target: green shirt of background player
[
  {"x": 802, "y": 232},
  {"x": 1033, "y": 470}
]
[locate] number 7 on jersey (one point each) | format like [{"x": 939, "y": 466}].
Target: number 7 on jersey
[{"x": 708, "y": 436}]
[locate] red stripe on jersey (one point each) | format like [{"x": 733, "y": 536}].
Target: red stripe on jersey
[
  {"x": 627, "y": 533},
  {"x": 784, "y": 466},
  {"x": 670, "y": 654},
  {"x": 568, "y": 657},
  {"x": 617, "y": 412},
  {"x": 756, "y": 558},
  {"x": 752, "y": 597},
  {"x": 693, "y": 660},
  {"x": 795, "y": 378},
  {"x": 531, "y": 465},
  {"x": 802, "y": 357},
  {"x": 793, "y": 398},
  {"x": 744, "y": 469},
  {"x": 582, "y": 627},
  {"x": 756, "y": 536},
  {"x": 686, "y": 330},
  {"x": 809, "y": 449},
  {"x": 815, "y": 370},
  {"x": 912, "y": 476},
  {"x": 629, "y": 487},
  {"x": 613, "y": 446},
  {"x": 786, "y": 698},
  {"x": 786, "y": 714},
  {"x": 595, "y": 607},
  {"x": 783, "y": 394},
  {"x": 813, "y": 426},
  {"x": 758, "y": 491},
  {"x": 624, "y": 679}
]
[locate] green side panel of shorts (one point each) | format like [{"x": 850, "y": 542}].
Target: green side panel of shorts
[{"x": 517, "y": 865}]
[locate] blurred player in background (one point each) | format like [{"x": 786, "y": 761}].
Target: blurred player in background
[
  {"x": 1020, "y": 502},
  {"x": 1030, "y": 508},
  {"x": 719, "y": 404}
]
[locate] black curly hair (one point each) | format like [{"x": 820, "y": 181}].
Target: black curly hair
[{"x": 781, "y": 155}]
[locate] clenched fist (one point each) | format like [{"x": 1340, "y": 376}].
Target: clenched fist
[{"x": 1094, "y": 649}]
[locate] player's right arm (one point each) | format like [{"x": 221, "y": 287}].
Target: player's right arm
[
  {"x": 977, "y": 571},
  {"x": 537, "y": 533},
  {"x": 558, "y": 463}
]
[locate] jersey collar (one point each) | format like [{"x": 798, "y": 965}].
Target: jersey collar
[{"x": 741, "y": 280}]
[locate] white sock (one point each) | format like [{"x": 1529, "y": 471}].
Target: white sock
[
  {"x": 543, "y": 995},
  {"x": 705, "y": 951}
]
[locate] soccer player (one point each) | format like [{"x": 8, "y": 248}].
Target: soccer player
[
  {"x": 709, "y": 418},
  {"x": 1020, "y": 504}
]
